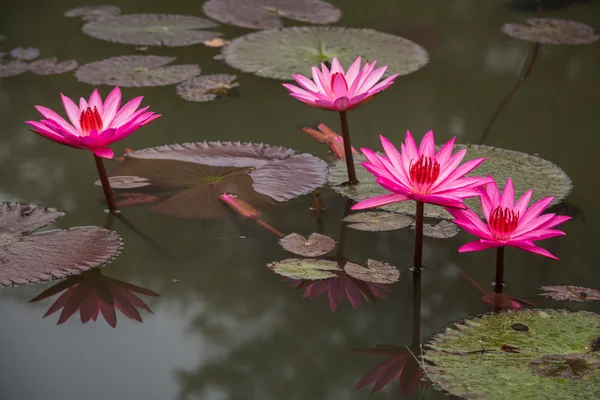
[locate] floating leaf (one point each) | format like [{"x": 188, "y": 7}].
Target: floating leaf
[
  {"x": 92, "y": 13},
  {"x": 552, "y": 31},
  {"x": 191, "y": 177},
  {"x": 555, "y": 357},
  {"x": 29, "y": 257},
  {"x": 25, "y": 54},
  {"x": 51, "y": 66},
  {"x": 570, "y": 293},
  {"x": 135, "y": 71},
  {"x": 13, "y": 68},
  {"x": 206, "y": 87},
  {"x": 527, "y": 172},
  {"x": 266, "y": 14},
  {"x": 378, "y": 221},
  {"x": 316, "y": 245},
  {"x": 305, "y": 269},
  {"x": 152, "y": 29},
  {"x": 441, "y": 230},
  {"x": 125, "y": 182},
  {"x": 375, "y": 272},
  {"x": 282, "y": 52}
]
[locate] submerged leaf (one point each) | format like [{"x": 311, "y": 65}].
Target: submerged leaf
[
  {"x": 25, "y": 54},
  {"x": 13, "y": 68},
  {"x": 305, "y": 269},
  {"x": 316, "y": 245},
  {"x": 570, "y": 293},
  {"x": 135, "y": 71},
  {"x": 29, "y": 257},
  {"x": 152, "y": 29},
  {"x": 378, "y": 221},
  {"x": 125, "y": 182},
  {"x": 375, "y": 272},
  {"x": 206, "y": 87},
  {"x": 280, "y": 53},
  {"x": 266, "y": 14},
  {"x": 91, "y": 13},
  {"x": 552, "y": 31},
  {"x": 51, "y": 66}
]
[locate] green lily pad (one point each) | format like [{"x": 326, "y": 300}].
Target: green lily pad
[
  {"x": 527, "y": 172},
  {"x": 375, "y": 272},
  {"x": 441, "y": 230},
  {"x": 493, "y": 357},
  {"x": 377, "y": 221},
  {"x": 135, "y": 71},
  {"x": 25, "y": 54},
  {"x": 92, "y": 13},
  {"x": 305, "y": 269},
  {"x": 13, "y": 68},
  {"x": 152, "y": 29},
  {"x": 316, "y": 245},
  {"x": 206, "y": 87},
  {"x": 266, "y": 14},
  {"x": 279, "y": 53},
  {"x": 552, "y": 31},
  {"x": 570, "y": 293},
  {"x": 51, "y": 66}
]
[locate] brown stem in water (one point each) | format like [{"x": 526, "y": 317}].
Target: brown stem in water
[
  {"x": 499, "y": 282},
  {"x": 108, "y": 194},
  {"x": 348, "y": 149},
  {"x": 418, "y": 252},
  {"x": 416, "y": 308}
]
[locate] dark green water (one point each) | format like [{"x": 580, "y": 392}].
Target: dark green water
[{"x": 224, "y": 326}]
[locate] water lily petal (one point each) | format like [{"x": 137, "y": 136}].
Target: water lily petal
[
  {"x": 379, "y": 201},
  {"x": 103, "y": 152},
  {"x": 72, "y": 111},
  {"x": 111, "y": 106},
  {"x": 476, "y": 246}
]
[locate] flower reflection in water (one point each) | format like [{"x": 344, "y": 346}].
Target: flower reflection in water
[{"x": 92, "y": 294}]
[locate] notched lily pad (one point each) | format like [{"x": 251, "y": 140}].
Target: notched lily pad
[
  {"x": 527, "y": 172},
  {"x": 92, "y": 13},
  {"x": 25, "y": 54},
  {"x": 552, "y": 31},
  {"x": 136, "y": 71},
  {"x": 51, "y": 66},
  {"x": 282, "y": 52},
  {"x": 316, "y": 245},
  {"x": 266, "y": 14},
  {"x": 206, "y": 87},
  {"x": 152, "y": 29},
  {"x": 570, "y": 293},
  {"x": 305, "y": 269},
  {"x": 377, "y": 221},
  {"x": 30, "y": 257},
  {"x": 375, "y": 272},
  {"x": 125, "y": 182},
  {"x": 13, "y": 68},
  {"x": 555, "y": 356}
]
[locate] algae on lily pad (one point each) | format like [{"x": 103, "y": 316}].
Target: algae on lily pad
[
  {"x": 494, "y": 357},
  {"x": 305, "y": 269},
  {"x": 570, "y": 293},
  {"x": 190, "y": 177},
  {"x": 375, "y": 272},
  {"x": 206, "y": 87},
  {"x": 267, "y": 14},
  {"x": 152, "y": 29},
  {"x": 51, "y": 66},
  {"x": 376, "y": 221},
  {"x": 527, "y": 172},
  {"x": 25, "y": 54},
  {"x": 552, "y": 31},
  {"x": 92, "y": 13},
  {"x": 279, "y": 53},
  {"x": 29, "y": 257},
  {"x": 316, "y": 245},
  {"x": 13, "y": 68},
  {"x": 136, "y": 71}
]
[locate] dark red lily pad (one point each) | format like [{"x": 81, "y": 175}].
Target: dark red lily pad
[
  {"x": 316, "y": 245},
  {"x": 13, "y": 68},
  {"x": 92, "y": 13},
  {"x": 206, "y": 87},
  {"x": 136, "y": 71},
  {"x": 25, "y": 54},
  {"x": 51, "y": 66},
  {"x": 570, "y": 293},
  {"x": 552, "y": 31},
  {"x": 30, "y": 257},
  {"x": 189, "y": 178},
  {"x": 267, "y": 14}
]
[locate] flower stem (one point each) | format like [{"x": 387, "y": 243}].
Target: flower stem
[
  {"x": 110, "y": 200},
  {"x": 348, "y": 149},
  {"x": 499, "y": 283},
  {"x": 418, "y": 253},
  {"x": 416, "y": 308}
]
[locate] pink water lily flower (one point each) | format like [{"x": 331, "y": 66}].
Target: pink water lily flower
[
  {"x": 94, "y": 124},
  {"x": 509, "y": 224},
  {"x": 338, "y": 90},
  {"x": 421, "y": 174}
]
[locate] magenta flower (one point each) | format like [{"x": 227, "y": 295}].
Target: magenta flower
[
  {"x": 94, "y": 124},
  {"x": 337, "y": 90},
  {"x": 420, "y": 174},
  {"x": 509, "y": 224}
]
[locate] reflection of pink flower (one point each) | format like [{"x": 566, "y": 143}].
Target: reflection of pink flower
[
  {"x": 399, "y": 365},
  {"x": 342, "y": 286},
  {"x": 92, "y": 293},
  {"x": 94, "y": 124},
  {"x": 509, "y": 224},
  {"x": 324, "y": 134},
  {"x": 337, "y": 90},
  {"x": 420, "y": 174}
]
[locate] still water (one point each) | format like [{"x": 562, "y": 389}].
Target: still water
[{"x": 225, "y": 326}]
